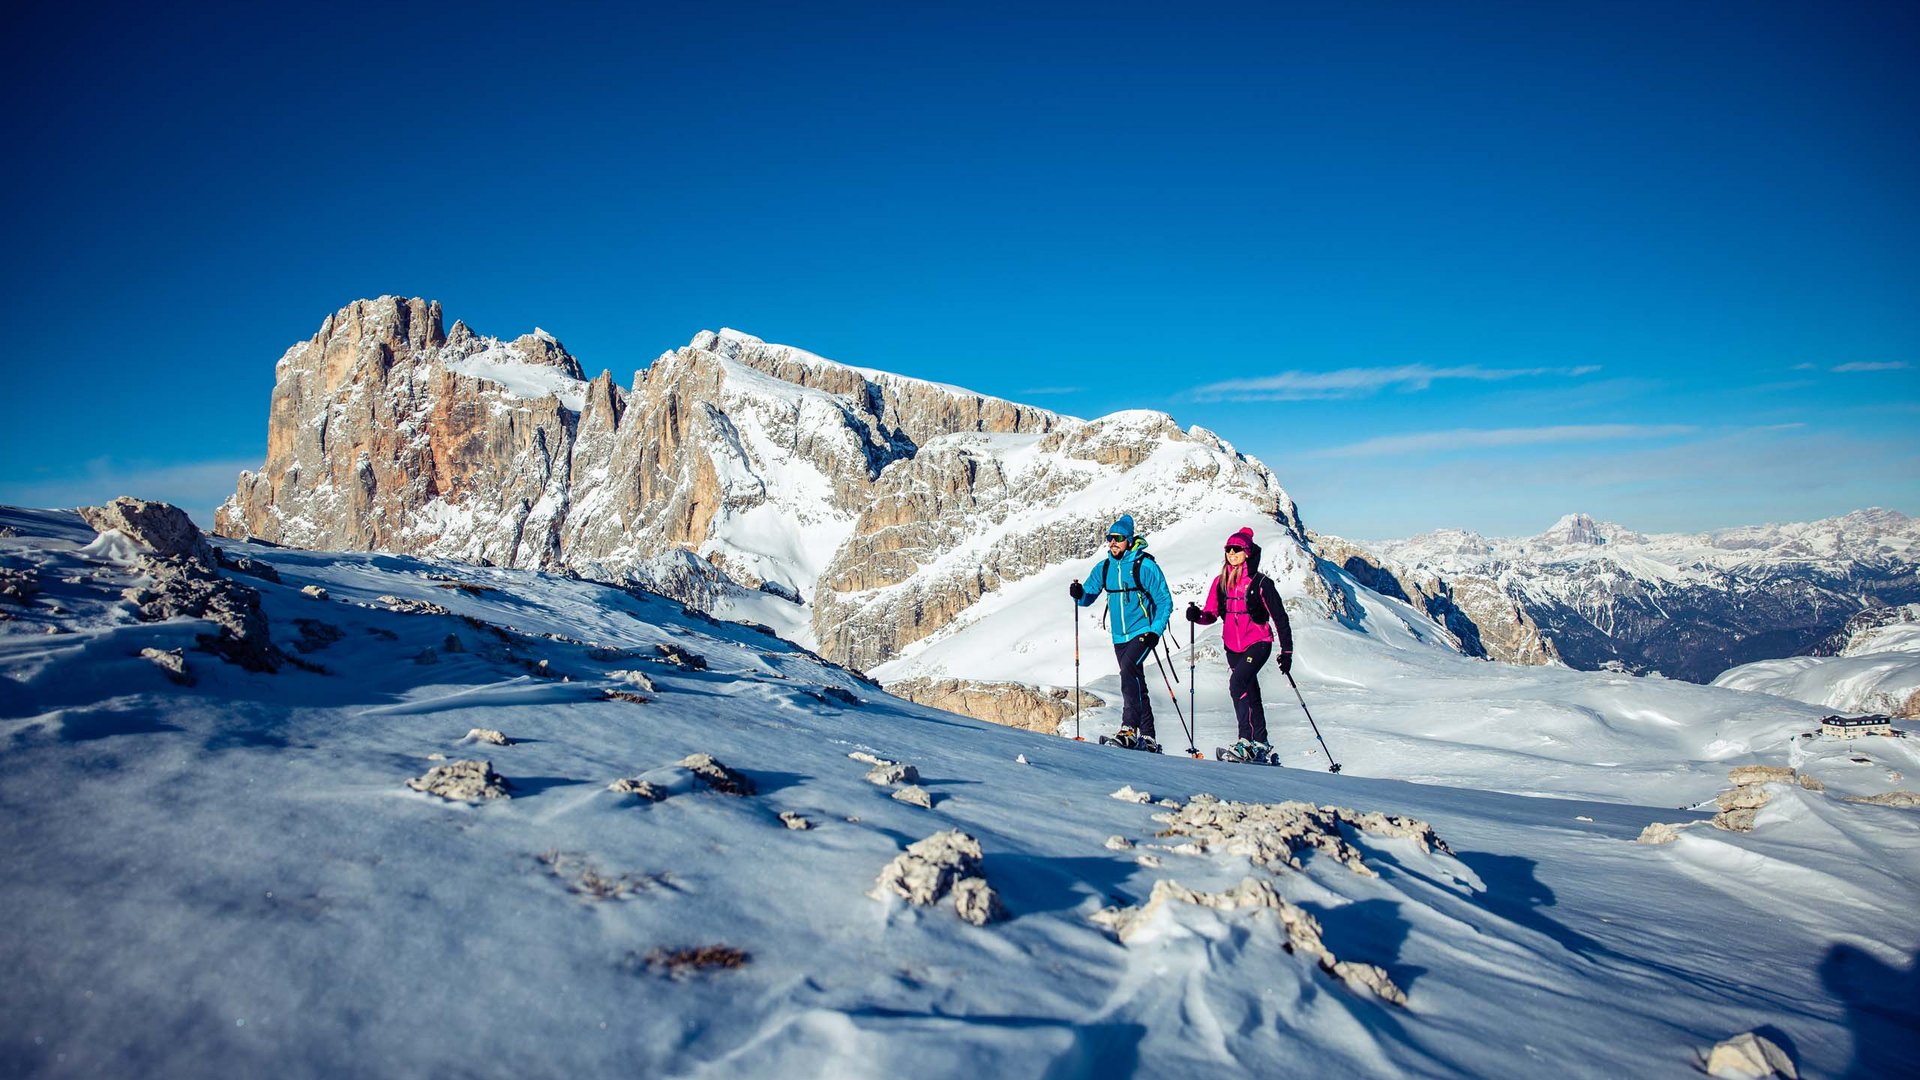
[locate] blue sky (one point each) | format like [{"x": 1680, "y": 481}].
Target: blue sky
[{"x": 1469, "y": 265}]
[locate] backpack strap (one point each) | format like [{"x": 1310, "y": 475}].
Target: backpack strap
[{"x": 1146, "y": 602}]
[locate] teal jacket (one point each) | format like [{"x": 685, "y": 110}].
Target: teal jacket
[{"x": 1130, "y": 611}]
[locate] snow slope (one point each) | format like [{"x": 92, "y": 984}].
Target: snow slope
[
  {"x": 232, "y": 877},
  {"x": 1878, "y": 671}
]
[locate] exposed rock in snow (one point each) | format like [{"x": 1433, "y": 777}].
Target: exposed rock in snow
[
  {"x": 161, "y": 528},
  {"x": 242, "y": 564},
  {"x": 889, "y": 773},
  {"x": 633, "y": 785},
  {"x": 717, "y": 776},
  {"x": 18, "y": 586},
  {"x": 1661, "y": 832},
  {"x": 172, "y": 661},
  {"x": 1268, "y": 834},
  {"x": 1118, "y": 843},
  {"x": 462, "y": 781},
  {"x": 487, "y": 735},
  {"x": 884, "y": 772},
  {"x": 932, "y": 868},
  {"x": 1761, "y": 774},
  {"x": 914, "y": 795},
  {"x": 637, "y": 679},
  {"x": 1906, "y": 800},
  {"x": 680, "y": 963},
  {"x": 584, "y": 878},
  {"x": 179, "y": 585},
  {"x": 976, "y": 902},
  {"x": 1740, "y": 805},
  {"x": 313, "y": 592},
  {"x": 1127, "y": 794},
  {"x": 794, "y": 820},
  {"x": 412, "y": 606},
  {"x": 680, "y": 657},
  {"x": 1750, "y": 1056},
  {"x": 1302, "y": 929},
  {"x": 1009, "y": 704}
]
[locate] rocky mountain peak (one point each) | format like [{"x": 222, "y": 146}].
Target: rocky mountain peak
[
  {"x": 1582, "y": 530},
  {"x": 872, "y": 508}
]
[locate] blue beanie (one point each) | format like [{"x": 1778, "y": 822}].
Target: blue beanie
[{"x": 1124, "y": 526}]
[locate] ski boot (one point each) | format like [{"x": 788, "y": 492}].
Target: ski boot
[{"x": 1129, "y": 739}]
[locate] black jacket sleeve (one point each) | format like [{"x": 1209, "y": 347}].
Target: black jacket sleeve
[{"x": 1276, "y": 611}]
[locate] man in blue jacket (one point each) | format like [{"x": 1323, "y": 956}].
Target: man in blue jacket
[{"x": 1138, "y": 607}]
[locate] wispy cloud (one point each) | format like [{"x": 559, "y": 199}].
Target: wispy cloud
[
  {"x": 1359, "y": 382},
  {"x": 1482, "y": 438},
  {"x": 197, "y": 487},
  {"x": 1043, "y": 391},
  {"x": 1879, "y": 365}
]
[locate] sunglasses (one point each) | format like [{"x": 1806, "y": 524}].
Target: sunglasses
[
  {"x": 1236, "y": 551},
  {"x": 1116, "y": 538}
]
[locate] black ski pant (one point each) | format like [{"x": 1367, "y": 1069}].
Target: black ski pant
[
  {"x": 1136, "y": 711},
  {"x": 1243, "y": 682}
]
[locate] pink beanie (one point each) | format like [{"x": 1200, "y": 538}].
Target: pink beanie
[{"x": 1242, "y": 539}]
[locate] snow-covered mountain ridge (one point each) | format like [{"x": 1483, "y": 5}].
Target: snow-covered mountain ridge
[
  {"x": 868, "y": 515},
  {"x": 225, "y": 868},
  {"x": 1687, "y": 605}
]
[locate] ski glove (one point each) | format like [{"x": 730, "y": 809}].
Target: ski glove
[
  {"x": 1076, "y": 590},
  {"x": 1285, "y": 660},
  {"x": 1194, "y": 614},
  {"x": 1152, "y": 639}
]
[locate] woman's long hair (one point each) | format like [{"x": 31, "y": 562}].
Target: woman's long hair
[{"x": 1228, "y": 577}]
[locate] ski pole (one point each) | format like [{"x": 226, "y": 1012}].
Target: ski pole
[
  {"x": 1191, "y": 707},
  {"x": 1335, "y": 767},
  {"x": 1192, "y": 750},
  {"x": 1076, "y": 675}
]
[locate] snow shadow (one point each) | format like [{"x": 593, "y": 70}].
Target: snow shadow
[
  {"x": 1369, "y": 931},
  {"x": 1516, "y": 894},
  {"x": 1879, "y": 1000},
  {"x": 766, "y": 783},
  {"x": 1035, "y": 884},
  {"x": 527, "y": 787}
]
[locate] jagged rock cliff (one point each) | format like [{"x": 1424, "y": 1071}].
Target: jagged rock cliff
[
  {"x": 1480, "y": 615},
  {"x": 868, "y": 508}
]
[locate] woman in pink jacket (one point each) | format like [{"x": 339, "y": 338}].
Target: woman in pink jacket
[{"x": 1249, "y": 610}]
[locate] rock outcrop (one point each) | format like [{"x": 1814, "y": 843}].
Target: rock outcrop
[
  {"x": 1480, "y": 615},
  {"x": 944, "y": 864},
  {"x": 882, "y": 504},
  {"x": 1007, "y": 703},
  {"x": 181, "y": 578}
]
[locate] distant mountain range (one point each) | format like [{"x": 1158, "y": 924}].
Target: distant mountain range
[{"x": 1687, "y": 605}]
